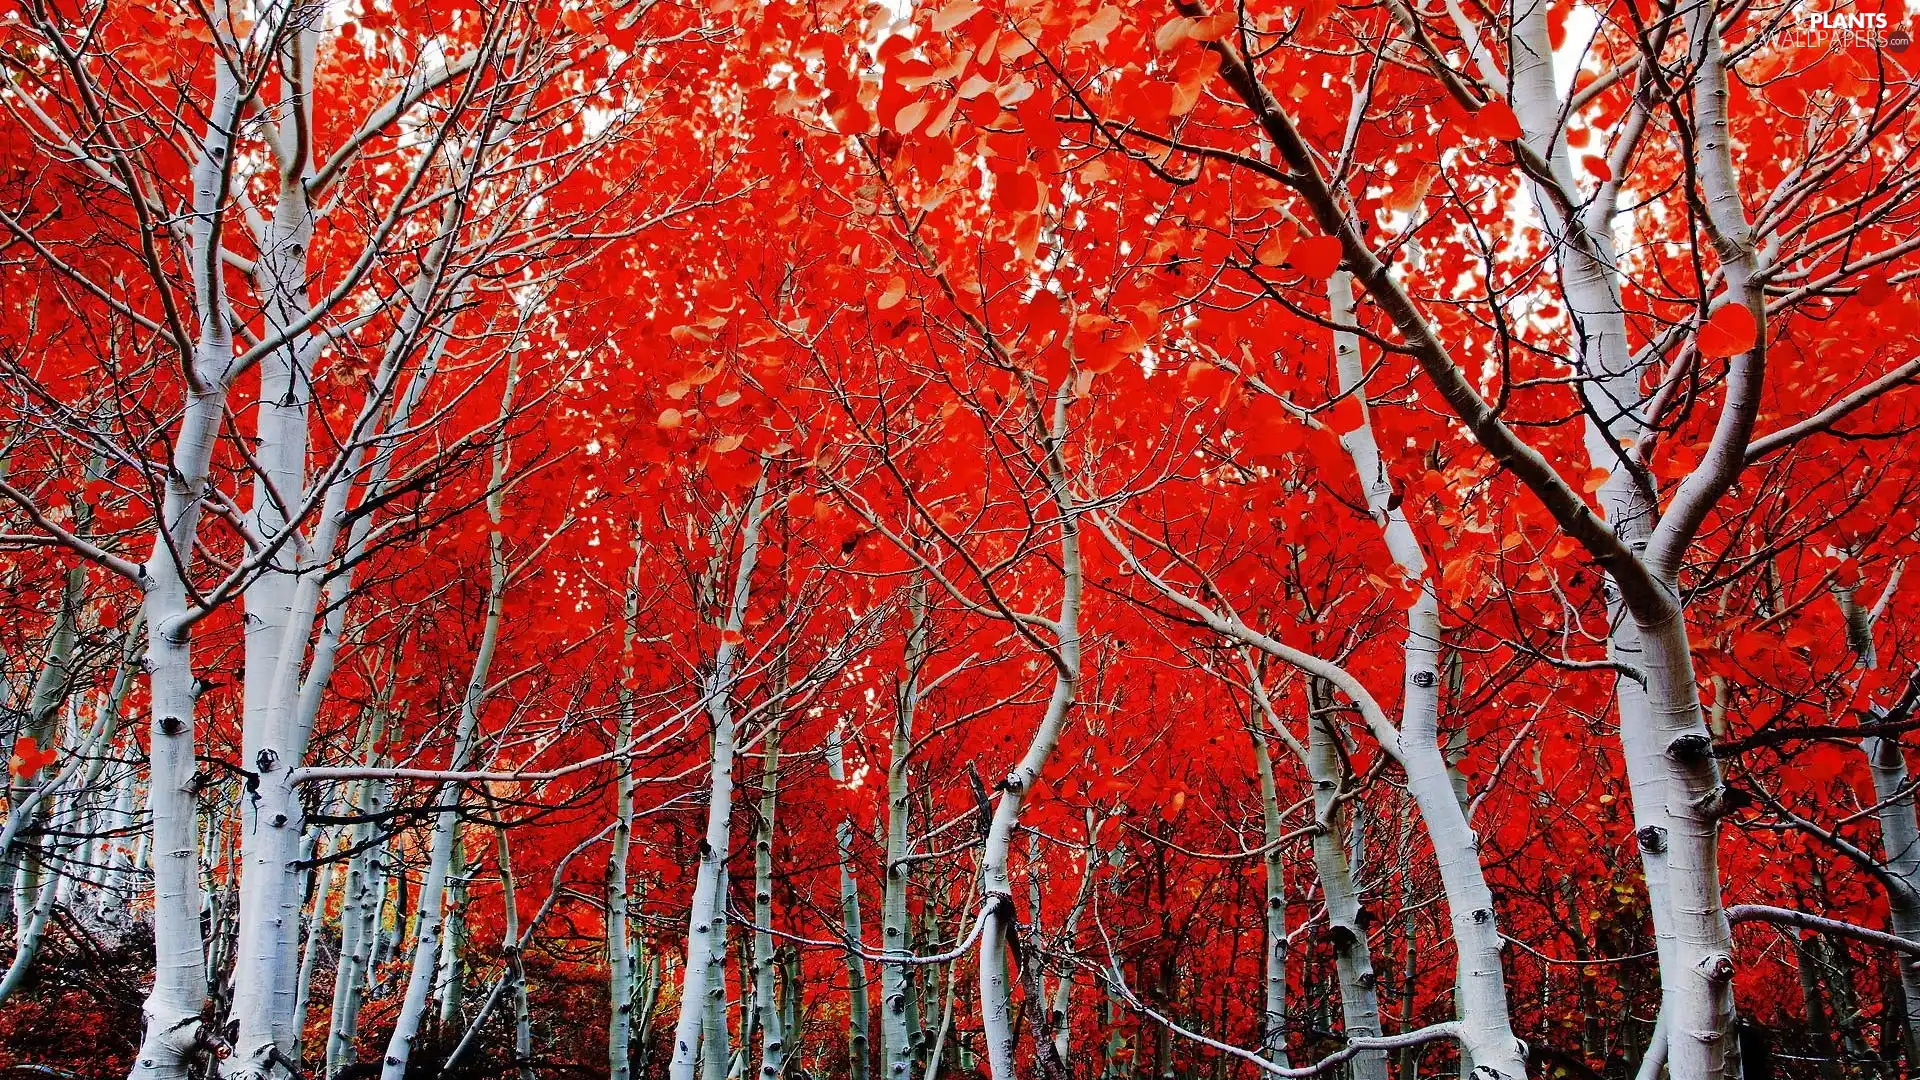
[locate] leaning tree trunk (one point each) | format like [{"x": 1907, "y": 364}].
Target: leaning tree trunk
[
  {"x": 1486, "y": 1031},
  {"x": 997, "y": 914},
  {"x": 446, "y": 829}
]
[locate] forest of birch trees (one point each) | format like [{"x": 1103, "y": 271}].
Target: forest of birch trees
[{"x": 1055, "y": 539}]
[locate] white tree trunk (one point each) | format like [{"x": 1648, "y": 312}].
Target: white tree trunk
[
  {"x": 446, "y": 830},
  {"x": 1352, "y": 952},
  {"x": 996, "y": 991},
  {"x": 858, "y": 1043},
  {"x": 1486, "y": 1022},
  {"x": 620, "y": 951},
  {"x": 716, "y": 1042},
  {"x": 1273, "y": 1013},
  {"x": 315, "y": 940},
  {"x": 706, "y": 933},
  {"x": 898, "y": 1039},
  {"x": 1900, "y": 837},
  {"x": 449, "y": 984},
  {"x": 359, "y": 907},
  {"x": 171, "y": 1013},
  {"x": 766, "y": 992}
]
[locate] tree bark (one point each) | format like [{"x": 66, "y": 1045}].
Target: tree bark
[
  {"x": 706, "y": 919},
  {"x": 858, "y": 1042}
]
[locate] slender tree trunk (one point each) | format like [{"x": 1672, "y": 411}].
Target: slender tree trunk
[
  {"x": 1486, "y": 1023},
  {"x": 1352, "y": 952},
  {"x": 620, "y": 989},
  {"x": 315, "y": 941},
  {"x": 1900, "y": 837},
  {"x": 449, "y": 981},
  {"x": 1273, "y": 1013},
  {"x": 716, "y": 1036},
  {"x": 172, "y": 1009},
  {"x": 706, "y": 925},
  {"x": 996, "y": 990},
  {"x": 516, "y": 967},
  {"x": 22, "y": 863},
  {"x": 858, "y": 1043},
  {"x": 898, "y": 1037},
  {"x": 766, "y": 992},
  {"x": 360, "y": 904},
  {"x": 426, "y": 947}
]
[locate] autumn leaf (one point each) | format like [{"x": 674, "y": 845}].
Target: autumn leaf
[
  {"x": 895, "y": 290},
  {"x": 1213, "y": 27},
  {"x": 1729, "y": 332},
  {"x": 1317, "y": 256},
  {"x": 1496, "y": 120},
  {"x": 1347, "y": 416},
  {"x": 28, "y": 758},
  {"x": 910, "y": 117},
  {"x": 1172, "y": 33},
  {"x": 1096, "y": 29},
  {"x": 953, "y": 15}
]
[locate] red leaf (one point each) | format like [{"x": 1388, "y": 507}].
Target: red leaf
[
  {"x": 1497, "y": 121},
  {"x": 1729, "y": 332},
  {"x": 1348, "y": 415},
  {"x": 28, "y": 758},
  {"x": 1317, "y": 256}
]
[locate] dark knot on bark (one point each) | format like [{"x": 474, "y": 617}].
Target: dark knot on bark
[
  {"x": 1717, "y": 967},
  {"x": 1691, "y": 748}
]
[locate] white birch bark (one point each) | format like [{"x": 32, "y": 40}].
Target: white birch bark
[
  {"x": 359, "y": 908},
  {"x": 716, "y": 1037},
  {"x": 996, "y": 991},
  {"x": 1486, "y": 1027},
  {"x": 315, "y": 940},
  {"x": 516, "y": 967},
  {"x": 1699, "y": 1005},
  {"x": 897, "y": 1005},
  {"x": 620, "y": 988},
  {"x": 448, "y": 981},
  {"x": 1352, "y": 952},
  {"x": 706, "y": 942},
  {"x": 858, "y": 1043},
  {"x": 44, "y": 706},
  {"x": 766, "y": 991},
  {"x": 1273, "y": 1012},
  {"x": 266, "y": 976},
  {"x": 446, "y": 830},
  {"x": 1894, "y": 811},
  {"x": 1900, "y": 837},
  {"x": 1611, "y": 391},
  {"x": 171, "y": 1014}
]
